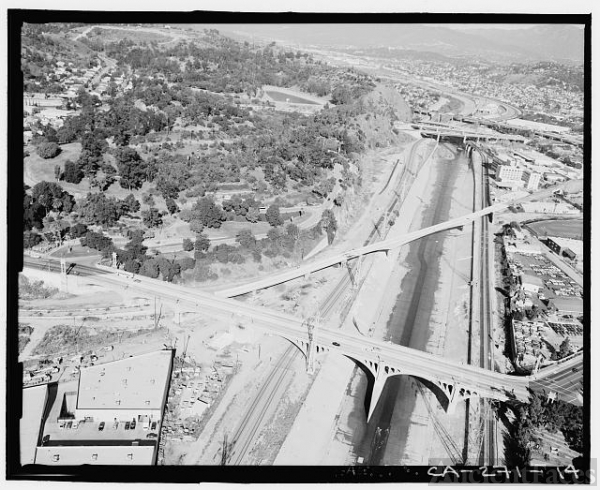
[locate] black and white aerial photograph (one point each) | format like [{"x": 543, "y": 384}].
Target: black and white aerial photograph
[{"x": 327, "y": 249}]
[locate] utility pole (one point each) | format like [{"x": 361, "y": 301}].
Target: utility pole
[
  {"x": 63, "y": 276},
  {"x": 357, "y": 273},
  {"x": 312, "y": 325}
]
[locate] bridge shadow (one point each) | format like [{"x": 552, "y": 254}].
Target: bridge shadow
[
  {"x": 431, "y": 386},
  {"x": 436, "y": 390}
]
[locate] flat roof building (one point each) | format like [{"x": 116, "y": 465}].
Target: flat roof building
[
  {"x": 560, "y": 245},
  {"x": 106, "y": 419},
  {"x": 531, "y": 282},
  {"x": 101, "y": 455},
  {"x": 132, "y": 387},
  {"x": 31, "y": 423},
  {"x": 567, "y": 305}
]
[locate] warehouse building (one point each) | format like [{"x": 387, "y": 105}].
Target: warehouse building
[
  {"x": 135, "y": 387},
  {"x": 111, "y": 415},
  {"x": 35, "y": 400}
]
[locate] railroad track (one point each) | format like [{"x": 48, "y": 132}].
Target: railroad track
[
  {"x": 250, "y": 426},
  {"x": 264, "y": 403},
  {"x": 54, "y": 266}
]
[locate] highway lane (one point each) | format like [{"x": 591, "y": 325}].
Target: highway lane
[
  {"x": 381, "y": 246},
  {"x": 470, "y": 102},
  {"x": 264, "y": 403},
  {"x": 289, "y": 326}
]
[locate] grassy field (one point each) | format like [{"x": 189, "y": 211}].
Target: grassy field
[
  {"x": 37, "y": 169},
  {"x": 559, "y": 228}
]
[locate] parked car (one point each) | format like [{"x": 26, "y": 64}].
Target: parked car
[
  {"x": 101, "y": 426},
  {"x": 132, "y": 425},
  {"x": 127, "y": 424},
  {"x": 115, "y": 424},
  {"x": 153, "y": 426},
  {"x": 151, "y": 435}
]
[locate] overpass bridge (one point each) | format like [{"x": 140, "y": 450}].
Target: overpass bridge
[
  {"x": 449, "y": 380},
  {"x": 438, "y": 132},
  {"x": 563, "y": 138},
  {"x": 343, "y": 258},
  {"x": 382, "y": 246}
]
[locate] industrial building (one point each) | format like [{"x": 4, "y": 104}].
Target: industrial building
[
  {"x": 110, "y": 416},
  {"x": 568, "y": 247},
  {"x": 35, "y": 400},
  {"x": 135, "y": 387}
]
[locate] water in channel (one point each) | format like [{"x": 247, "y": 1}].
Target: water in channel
[{"x": 384, "y": 437}]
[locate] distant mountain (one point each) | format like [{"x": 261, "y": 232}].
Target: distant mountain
[
  {"x": 541, "y": 42},
  {"x": 557, "y": 42}
]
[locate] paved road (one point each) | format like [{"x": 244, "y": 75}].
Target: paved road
[{"x": 382, "y": 246}]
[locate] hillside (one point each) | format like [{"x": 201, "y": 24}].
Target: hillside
[{"x": 193, "y": 139}]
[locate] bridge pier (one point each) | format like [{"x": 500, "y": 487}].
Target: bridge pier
[
  {"x": 455, "y": 393},
  {"x": 356, "y": 275}
]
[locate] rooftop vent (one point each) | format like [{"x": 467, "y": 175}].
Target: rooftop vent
[{"x": 94, "y": 457}]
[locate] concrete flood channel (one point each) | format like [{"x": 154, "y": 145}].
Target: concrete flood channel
[{"x": 382, "y": 441}]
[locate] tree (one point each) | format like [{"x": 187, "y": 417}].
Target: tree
[
  {"x": 98, "y": 209},
  {"x": 171, "y": 205},
  {"x": 292, "y": 230},
  {"x": 97, "y": 241},
  {"x": 78, "y": 230},
  {"x": 209, "y": 213},
  {"x": 329, "y": 224},
  {"x": 246, "y": 238},
  {"x": 202, "y": 243},
  {"x": 274, "y": 234},
  {"x": 48, "y": 150},
  {"x": 52, "y": 197},
  {"x": 72, "y": 173},
  {"x": 253, "y": 215},
  {"x": 188, "y": 245},
  {"x": 150, "y": 269},
  {"x": 130, "y": 204},
  {"x": 31, "y": 239},
  {"x": 152, "y": 218},
  {"x": 196, "y": 226},
  {"x": 565, "y": 348},
  {"x": 131, "y": 167},
  {"x": 273, "y": 216}
]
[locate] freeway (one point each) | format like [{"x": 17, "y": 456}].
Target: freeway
[
  {"x": 381, "y": 246},
  {"x": 565, "y": 380},
  {"x": 403, "y": 360},
  {"x": 471, "y": 103}
]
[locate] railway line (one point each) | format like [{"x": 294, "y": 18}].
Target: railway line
[
  {"x": 262, "y": 404},
  {"x": 265, "y": 401}
]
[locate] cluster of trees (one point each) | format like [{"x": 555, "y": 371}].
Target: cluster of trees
[
  {"x": 247, "y": 208},
  {"x": 45, "y": 197},
  {"x": 99, "y": 209},
  {"x": 550, "y": 415}
]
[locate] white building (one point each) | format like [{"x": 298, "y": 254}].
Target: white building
[
  {"x": 135, "y": 387},
  {"x": 532, "y": 180},
  {"x": 34, "y": 405},
  {"x": 143, "y": 455}
]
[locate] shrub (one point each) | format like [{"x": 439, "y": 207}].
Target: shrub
[{"x": 48, "y": 150}]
